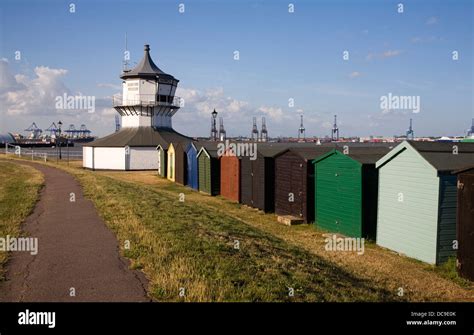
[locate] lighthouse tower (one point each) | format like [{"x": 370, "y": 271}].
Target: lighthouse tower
[
  {"x": 146, "y": 107},
  {"x": 148, "y": 98}
]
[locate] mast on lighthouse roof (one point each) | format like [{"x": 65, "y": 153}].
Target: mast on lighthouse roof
[{"x": 148, "y": 95}]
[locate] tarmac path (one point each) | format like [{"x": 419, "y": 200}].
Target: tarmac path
[{"x": 77, "y": 253}]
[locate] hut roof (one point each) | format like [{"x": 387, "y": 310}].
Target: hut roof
[
  {"x": 364, "y": 155},
  {"x": 209, "y": 147},
  {"x": 439, "y": 154}
]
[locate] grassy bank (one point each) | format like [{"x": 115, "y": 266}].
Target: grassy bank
[
  {"x": 19, "y": 189},
  {"x": 380, "y": 267},
  {"x": 191, "y": 244},
  {"x": 182, "y": 245}
]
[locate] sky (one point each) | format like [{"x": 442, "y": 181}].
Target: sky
[{"x": 327, "y": 57}]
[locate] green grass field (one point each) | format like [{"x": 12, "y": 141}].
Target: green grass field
[{"x": 19, "y": 189}]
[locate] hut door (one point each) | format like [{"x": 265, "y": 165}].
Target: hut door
[
  {"x": 297, "y": 176},
  {"x": 466, "y": 225},
  {"x": 159, "y": 162},
  {"x": 254, "y": 190},
  {"x": 171, "y": 166},
  {"x": 206, "y": 172},
  {"x": 189, "y": 170},
  {"x": 338, "y": 185}
]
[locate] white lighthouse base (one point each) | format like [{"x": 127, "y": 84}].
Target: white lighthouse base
[
  {"x": 131, "y": 148},
  {"x": 120, "y": 158}
]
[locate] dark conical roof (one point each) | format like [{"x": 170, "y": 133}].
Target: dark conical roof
[
  {"x": 141, "y": 137},
  {"x": 146, "y": 68}
]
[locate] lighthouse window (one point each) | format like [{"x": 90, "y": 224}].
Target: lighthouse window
[{"x": 133, "y": 86}]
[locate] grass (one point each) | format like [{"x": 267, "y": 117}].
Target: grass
[
  {"x": 185, "y": 245},
  {"x": 19, "y": 190},
  {"x": 448, "y": 270},
  {"x": 381, "y": 267},
  {"x": 190, "y": 245}
]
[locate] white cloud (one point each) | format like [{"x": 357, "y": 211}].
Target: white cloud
[
  {"x": 389, "y": 118},
  {"x": 24, "y": 99},
  {"x": 354, "y": 74},
  {"x": 203, "y": 103},
  {"x": 194, "y": 118},
  {"x": 8, "y": 81},
  {"x": 274, "y": 113},
  {"x": 432, "y": 20},
  {"x": 384, "y": 54},
  {"x": 391, "y": 53},
  {"x": 108, "y": 85},
  {"x": 326, "y": 125},
  {"x": 23, "y": 95},
  {"x": 428, "y": 39}
]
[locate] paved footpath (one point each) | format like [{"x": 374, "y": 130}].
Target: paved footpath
[{"x": 75, "y": 250}]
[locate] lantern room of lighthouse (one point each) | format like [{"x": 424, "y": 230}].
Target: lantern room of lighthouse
[{"x": 148, "y": 95}]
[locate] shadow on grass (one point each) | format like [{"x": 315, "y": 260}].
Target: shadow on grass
[{"x": 212, "y": 256}]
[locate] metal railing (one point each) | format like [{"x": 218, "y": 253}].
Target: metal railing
[
  {"x": 45, "y": 154},
  {"x": 148, "y": 100}
]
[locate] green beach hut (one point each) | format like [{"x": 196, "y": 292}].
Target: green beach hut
[
  {"x": 346, "y": 190},
  {"x": 209, "y": 169}
]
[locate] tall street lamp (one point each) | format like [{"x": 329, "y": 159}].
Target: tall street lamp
[{"x": 59, "y": 138}]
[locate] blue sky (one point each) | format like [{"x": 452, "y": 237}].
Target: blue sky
[{"x": 282, "y": 55}]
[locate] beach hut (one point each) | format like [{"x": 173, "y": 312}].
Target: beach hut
[
  {"x": 294, "y": 181},
  {"x": 192, "y": 165},
  {"x": 257, "y": 177},
  {"x": 465, "y": 223},
  {"x": 417, "y": 198},
  {"x": 209, "y": 169},
  {"x": 177, "y": 161},
  {"x": 346, "y": 190},
  {"x": 162, "y": 160},
  {"x": 230, "y": 176},
  {"x": 170, "y": 170},
  {"x": 181, "y": 169}
]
